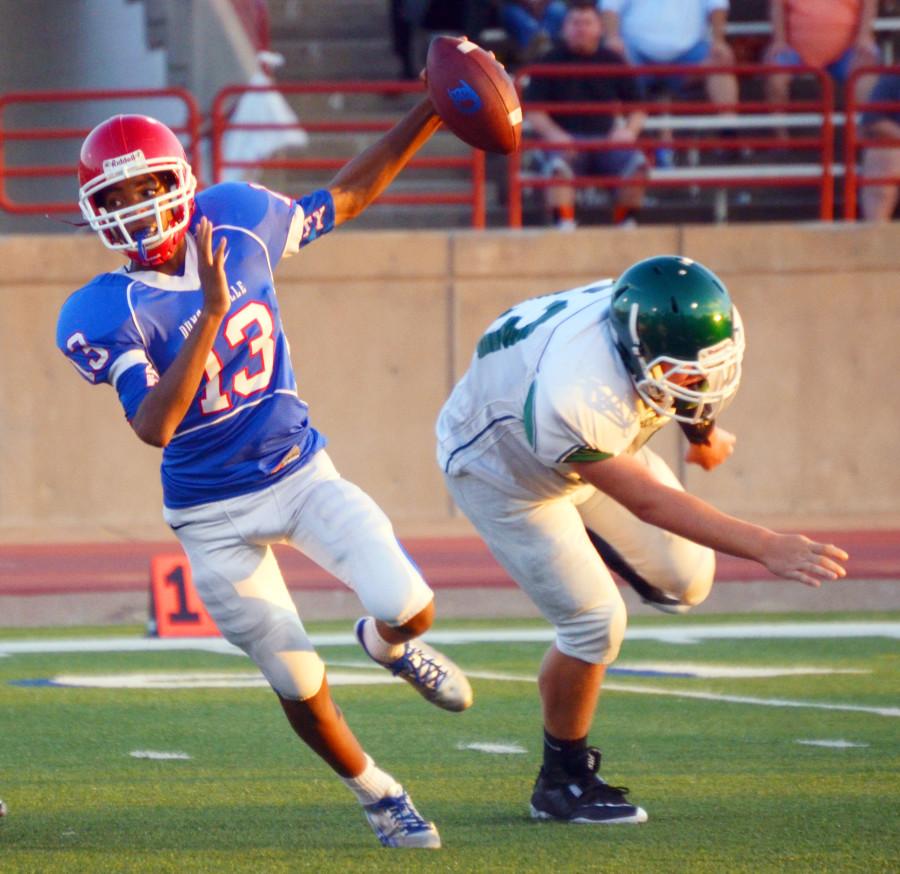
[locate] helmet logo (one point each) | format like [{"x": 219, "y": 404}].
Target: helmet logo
[
  {"x": 712, "y": 355},
  {"x": 135, "y": 158}
]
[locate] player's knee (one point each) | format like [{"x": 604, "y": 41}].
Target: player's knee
[
  {"x": 296, "y": 675},
  {"x": 688, "y": 575},
  {"x": 286, "y": 657},
  {"x": 594, "y": 635},
  {"x": 419, "y": 623},
  {"x": 394, "y": 591},
  {"x": 698, "y": 582}
]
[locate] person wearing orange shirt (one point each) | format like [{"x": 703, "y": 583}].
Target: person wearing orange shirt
[{"x": 833, "y": 35}]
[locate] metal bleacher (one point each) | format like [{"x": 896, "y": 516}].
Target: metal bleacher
[
  {"x": 327, "y": 41},
  {"x": 340, "y": 80}
]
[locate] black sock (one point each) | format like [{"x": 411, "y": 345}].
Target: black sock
[{"x": 565, "y": 754}]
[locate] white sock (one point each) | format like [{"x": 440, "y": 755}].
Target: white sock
[
  {"x": 372, "y": 784},
  {"x": 377, "y": 645}
]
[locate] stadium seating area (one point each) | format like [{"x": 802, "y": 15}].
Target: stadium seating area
[
  {"x": 349, "y": 46},
  {"x": 326, "y": 57}
]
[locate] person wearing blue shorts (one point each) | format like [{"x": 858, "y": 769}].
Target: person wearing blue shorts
[{"x": 690, "y": 33}]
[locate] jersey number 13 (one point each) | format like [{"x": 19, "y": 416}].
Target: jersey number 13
[{"x": 262, "y": 348}]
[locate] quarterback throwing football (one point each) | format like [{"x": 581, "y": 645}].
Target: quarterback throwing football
[
  {"x": 543, "y": 447},
  {"x": 190, "y": 337}
]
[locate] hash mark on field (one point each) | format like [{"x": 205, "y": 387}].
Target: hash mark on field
[
  {"x": 494, "y": 748},
  {"x": 833, "y": 744},
  {"x": 155, "y": 754}
]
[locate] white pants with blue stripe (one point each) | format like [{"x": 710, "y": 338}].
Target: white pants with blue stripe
[{"x": 333, "y": 522}]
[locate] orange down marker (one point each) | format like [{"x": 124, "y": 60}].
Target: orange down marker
[{"x": 175, "y": 607}]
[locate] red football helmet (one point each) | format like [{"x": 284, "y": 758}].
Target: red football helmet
[{"x": 123, "y": 147}]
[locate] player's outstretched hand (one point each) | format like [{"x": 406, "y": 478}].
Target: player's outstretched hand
[
  {"x": 708, "y": 455},
  {"x": 796, "y": 557},
  {"x": 211, "y": 267}
]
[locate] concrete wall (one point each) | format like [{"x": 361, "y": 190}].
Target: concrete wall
[{"x": 381, "y": 325}]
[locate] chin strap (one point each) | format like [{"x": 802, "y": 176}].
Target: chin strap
[
  {"x": 139, "y": 239},
  {"x": 698, "y": 432}
]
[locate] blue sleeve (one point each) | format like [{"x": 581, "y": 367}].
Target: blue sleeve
[
  {"x": 283, "y": 225},
  {"x": 97, "y": 334}
]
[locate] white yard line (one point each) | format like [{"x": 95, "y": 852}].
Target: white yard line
[
  {"x": 680, "y": 634},
  {"x": 202, "y": 680},
  {"x": 742, "y": 699}
]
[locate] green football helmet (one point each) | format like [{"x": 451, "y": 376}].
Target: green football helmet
[{"x": 680, "y": 337}]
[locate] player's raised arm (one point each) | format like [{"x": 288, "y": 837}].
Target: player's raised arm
[
  {"x": 360, "y": 181},
  {"x": 628, "y": 481},
  {"x": 468, "y": 91}
]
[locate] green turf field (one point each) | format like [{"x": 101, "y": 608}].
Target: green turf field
[{"x": 726, "y": 784}]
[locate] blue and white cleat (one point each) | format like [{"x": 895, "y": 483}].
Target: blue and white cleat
[
  {"x": 429, "y": 672},
  {"x": 397, "y": 823}
]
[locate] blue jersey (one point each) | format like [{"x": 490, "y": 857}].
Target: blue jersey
[{"x": 246, "y": 427}]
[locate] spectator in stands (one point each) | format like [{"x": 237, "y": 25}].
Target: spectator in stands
[
  {"x": 878, "y": 202},
  {"x": 532, "y": 25},
  {"x": 686, "y": 32},
  {"x": 833, "y": 35},
  {"x": 580, "y": 44}
]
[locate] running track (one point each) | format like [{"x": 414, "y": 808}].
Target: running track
[{"x": 453, "y": 562}]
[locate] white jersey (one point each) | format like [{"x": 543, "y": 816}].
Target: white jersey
[{"x": 546, "y": 387}]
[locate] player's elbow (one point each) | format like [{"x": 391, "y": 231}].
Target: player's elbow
[
  {"x": 149, "y": 432},
  {"x": 643, "y": 509},
  {"x": 152, "y": 438}
]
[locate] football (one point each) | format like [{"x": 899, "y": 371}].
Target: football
[{"x": 473, "y": 95}]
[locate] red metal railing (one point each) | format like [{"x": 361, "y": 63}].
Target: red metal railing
[
  {"x": 853, "y": 179},
  {"x": 823, "y": 142},
  {"x": 188, "y": 129},
  {"x": 223, "y": 123}
]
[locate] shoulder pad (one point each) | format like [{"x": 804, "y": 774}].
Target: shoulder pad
[{"x": 235, "y": 203}]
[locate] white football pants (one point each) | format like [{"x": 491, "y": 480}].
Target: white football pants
[
  {"x": 544, "y": 546},
  {"x": 333, "y": 522}
]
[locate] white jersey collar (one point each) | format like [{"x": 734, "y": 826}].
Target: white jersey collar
[{"x": 189, "y": 280}]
